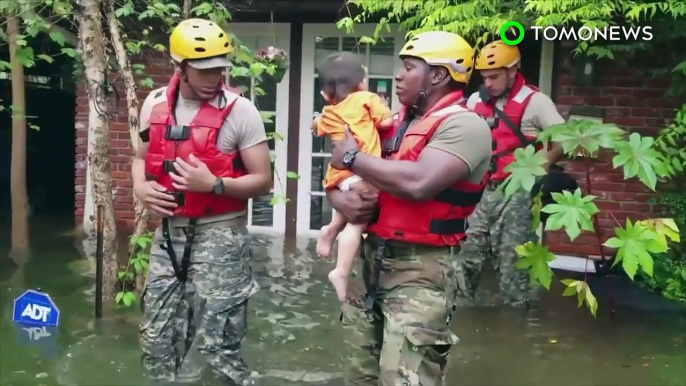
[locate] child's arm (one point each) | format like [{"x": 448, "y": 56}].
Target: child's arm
[
  {"x": 381, "y": 114},
  {"x": 314, "y": 127},
  {"x": 386, "y": 124}
]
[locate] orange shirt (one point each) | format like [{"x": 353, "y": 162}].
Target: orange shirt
[{"x": 362, "y": 111}]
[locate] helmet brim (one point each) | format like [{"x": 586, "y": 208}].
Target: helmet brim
[{"x": 205, "y": 64}]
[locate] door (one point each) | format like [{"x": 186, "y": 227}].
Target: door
[
  {"x": 381, "y": 59},
  {"x": 273, "y": 105}
]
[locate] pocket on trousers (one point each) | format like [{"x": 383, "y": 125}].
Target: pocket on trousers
[{"x": 424, "y": 354}]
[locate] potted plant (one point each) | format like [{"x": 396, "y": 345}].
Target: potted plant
[{"x": 275, "y": 61}]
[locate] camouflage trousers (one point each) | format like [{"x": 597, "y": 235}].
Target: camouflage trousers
[
  {"x": 496, "y": 227},
  {"x": 187, "y": 326},
  {"x": 404, "y": 339}
]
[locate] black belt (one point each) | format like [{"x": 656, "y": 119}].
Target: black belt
[{"x": 181, "y": 273}]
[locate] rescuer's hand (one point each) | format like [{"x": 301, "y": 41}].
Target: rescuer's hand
[
  {"x": 193, "y": 175},
  {"x": 340, "y": 147},
  {"x": 154, "y": 198}
]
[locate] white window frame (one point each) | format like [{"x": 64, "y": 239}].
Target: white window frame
[{"x": 282, "y": 33}]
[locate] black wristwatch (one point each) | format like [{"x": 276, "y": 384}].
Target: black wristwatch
[
  {"x": 218, "y": 187},
  {"x": 349, "y": 158}
]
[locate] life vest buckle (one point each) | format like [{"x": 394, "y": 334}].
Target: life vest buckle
[
  {"x": 177, "y": 133},
  {"x": 168, "y": 166},
  {"x": 179, "y": 198}
]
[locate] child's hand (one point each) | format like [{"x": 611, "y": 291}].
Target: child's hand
[{"x": 315, "y": 123}]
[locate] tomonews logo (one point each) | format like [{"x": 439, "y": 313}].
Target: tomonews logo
[{"x": 612, "y": 33}]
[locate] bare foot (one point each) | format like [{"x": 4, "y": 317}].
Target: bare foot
[
  {"x": 325, "y": 241},
  {"x": 340, "y": 283}
]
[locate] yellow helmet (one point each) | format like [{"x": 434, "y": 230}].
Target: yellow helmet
[
  {"x": 200, "y": 39},
  {"x": 446, "y": 49},
  {"x": 497, "y": 55}
]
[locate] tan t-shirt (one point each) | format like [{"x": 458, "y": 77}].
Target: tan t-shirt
[
  {"x": 467, "y": 136},
  {"x": 539, "y": 113},
  {"x": 242, "y": 129}
]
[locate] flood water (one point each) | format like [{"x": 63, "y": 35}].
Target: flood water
[{"x": 294, "y": 334}]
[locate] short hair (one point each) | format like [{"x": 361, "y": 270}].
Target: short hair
[{"x": 341, "y": 74}]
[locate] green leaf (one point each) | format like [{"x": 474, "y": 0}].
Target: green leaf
[
  {"x": 278, "y": 200},
  {"x": 528, "y": 165},
  {"x": 5, "y": 65},
  {"x": 536, "y": 257},
  {"x": 69, "y": 52},
  {"x": 119, "y": 297},
  {"x": 47, "y": 58},
  {"x": 57, "y": 37},
  {"x": 367, "y": 40},
  {"x": 582, "y": 137},
  {"x": 25, "y": 56},
  {"x": 147, "y": 82},
  {"x": 121, "y": 275},
  {"x": 292, "y": 175},
  {"x": 237, "y": 72},
  {"x": 571, "y": 211},
  {"x": 639, "y": 159},
  {"x": 634, "y": 245}
]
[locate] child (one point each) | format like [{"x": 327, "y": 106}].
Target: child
[{"x": 344, "y": 86}]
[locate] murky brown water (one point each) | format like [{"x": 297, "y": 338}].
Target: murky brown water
[{"x": 294, "y": 334}]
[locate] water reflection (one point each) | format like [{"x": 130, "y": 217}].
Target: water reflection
[{"x": 294, "y": 337}]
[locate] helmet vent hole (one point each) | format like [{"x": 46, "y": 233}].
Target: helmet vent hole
[
  {"x": 199, "y": 49},
  {"x": 414, "y": 39},
  {"x": 226, "y": 44},
  {"x": 410, "y": 47},
  {"x": 196, "y": 26},
  {"x": 491, "y": 63},
  {"x": 200, "y": 39},
  {"x": 459, "y": 61},
  {"x": 469, "y": 69},
  {"x": 221, "y": 35},
  {"x": 490, "y": 56}
]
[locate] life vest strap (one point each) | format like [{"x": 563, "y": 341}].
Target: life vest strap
[
  {"x": 181, "y": 273},
  {"x": 459, "y": 197},
  {"x": 448, "y": 227}
]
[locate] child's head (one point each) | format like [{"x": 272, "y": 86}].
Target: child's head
[{"x": 340, "y": 75}]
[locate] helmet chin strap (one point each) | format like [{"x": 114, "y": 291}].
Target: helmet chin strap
[{"x": 424, "y": 92}]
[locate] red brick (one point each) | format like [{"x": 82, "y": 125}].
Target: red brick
[
  {"x": 630, "y": 102},
  {"x": 599, "y": 101},
  {"x": 618, "y": 112},
  {"x": 648, "y": 93},
  {"x": 629, "y": 83},
  {"x": 659, "y": 83},
  {"x": 617, "y": 92},
  {"x": 586, "y": 91},
  {"x": 663, "y": 103},
  {"x": 570, "y": 100},
  {"x": 628, "y": 121},
  {"x": 638, "y": 207},
  {"x": 607, "y": 205},
  {"x": 644, "y": 112}
]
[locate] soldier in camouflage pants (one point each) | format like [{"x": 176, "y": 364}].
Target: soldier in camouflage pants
[
  {"x": 416, "y": 295},
  {"x": 496, "y": 227},
  {"x": 206, "y": 316}
]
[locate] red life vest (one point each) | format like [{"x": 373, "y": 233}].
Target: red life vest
[
  {"x": 199, "y": 139},
  {"x": 505, "y": 139},
  {"x": 442, "y": 220}
]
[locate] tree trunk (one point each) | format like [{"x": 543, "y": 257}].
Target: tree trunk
[
  {"x": 187, "y": 5},
  {"x": 19, "y": 195},
  {"x": 94, "y": 61},
  {"x": 141, "y": 213}
]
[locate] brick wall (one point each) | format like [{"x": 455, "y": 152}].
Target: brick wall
[
  {"x": 636, "y": 101},
  {"x": 120, "y": 152}
]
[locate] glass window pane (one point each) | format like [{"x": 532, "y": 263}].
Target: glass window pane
[
  {"x": 266, "y": 102},
  {"x": 382, "y": 87},
  {"x": 324, "y": 47},
  {"x": 352, "y": 44},
  {"x": 270, "y": 128},
  {"x": 263, "y": 211},
  {"x": 321, "y": 144},
  {"x": 382, "y": 59},
  {"x": 320, "y": 212},
  {"x": 319, "y": 167}
]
